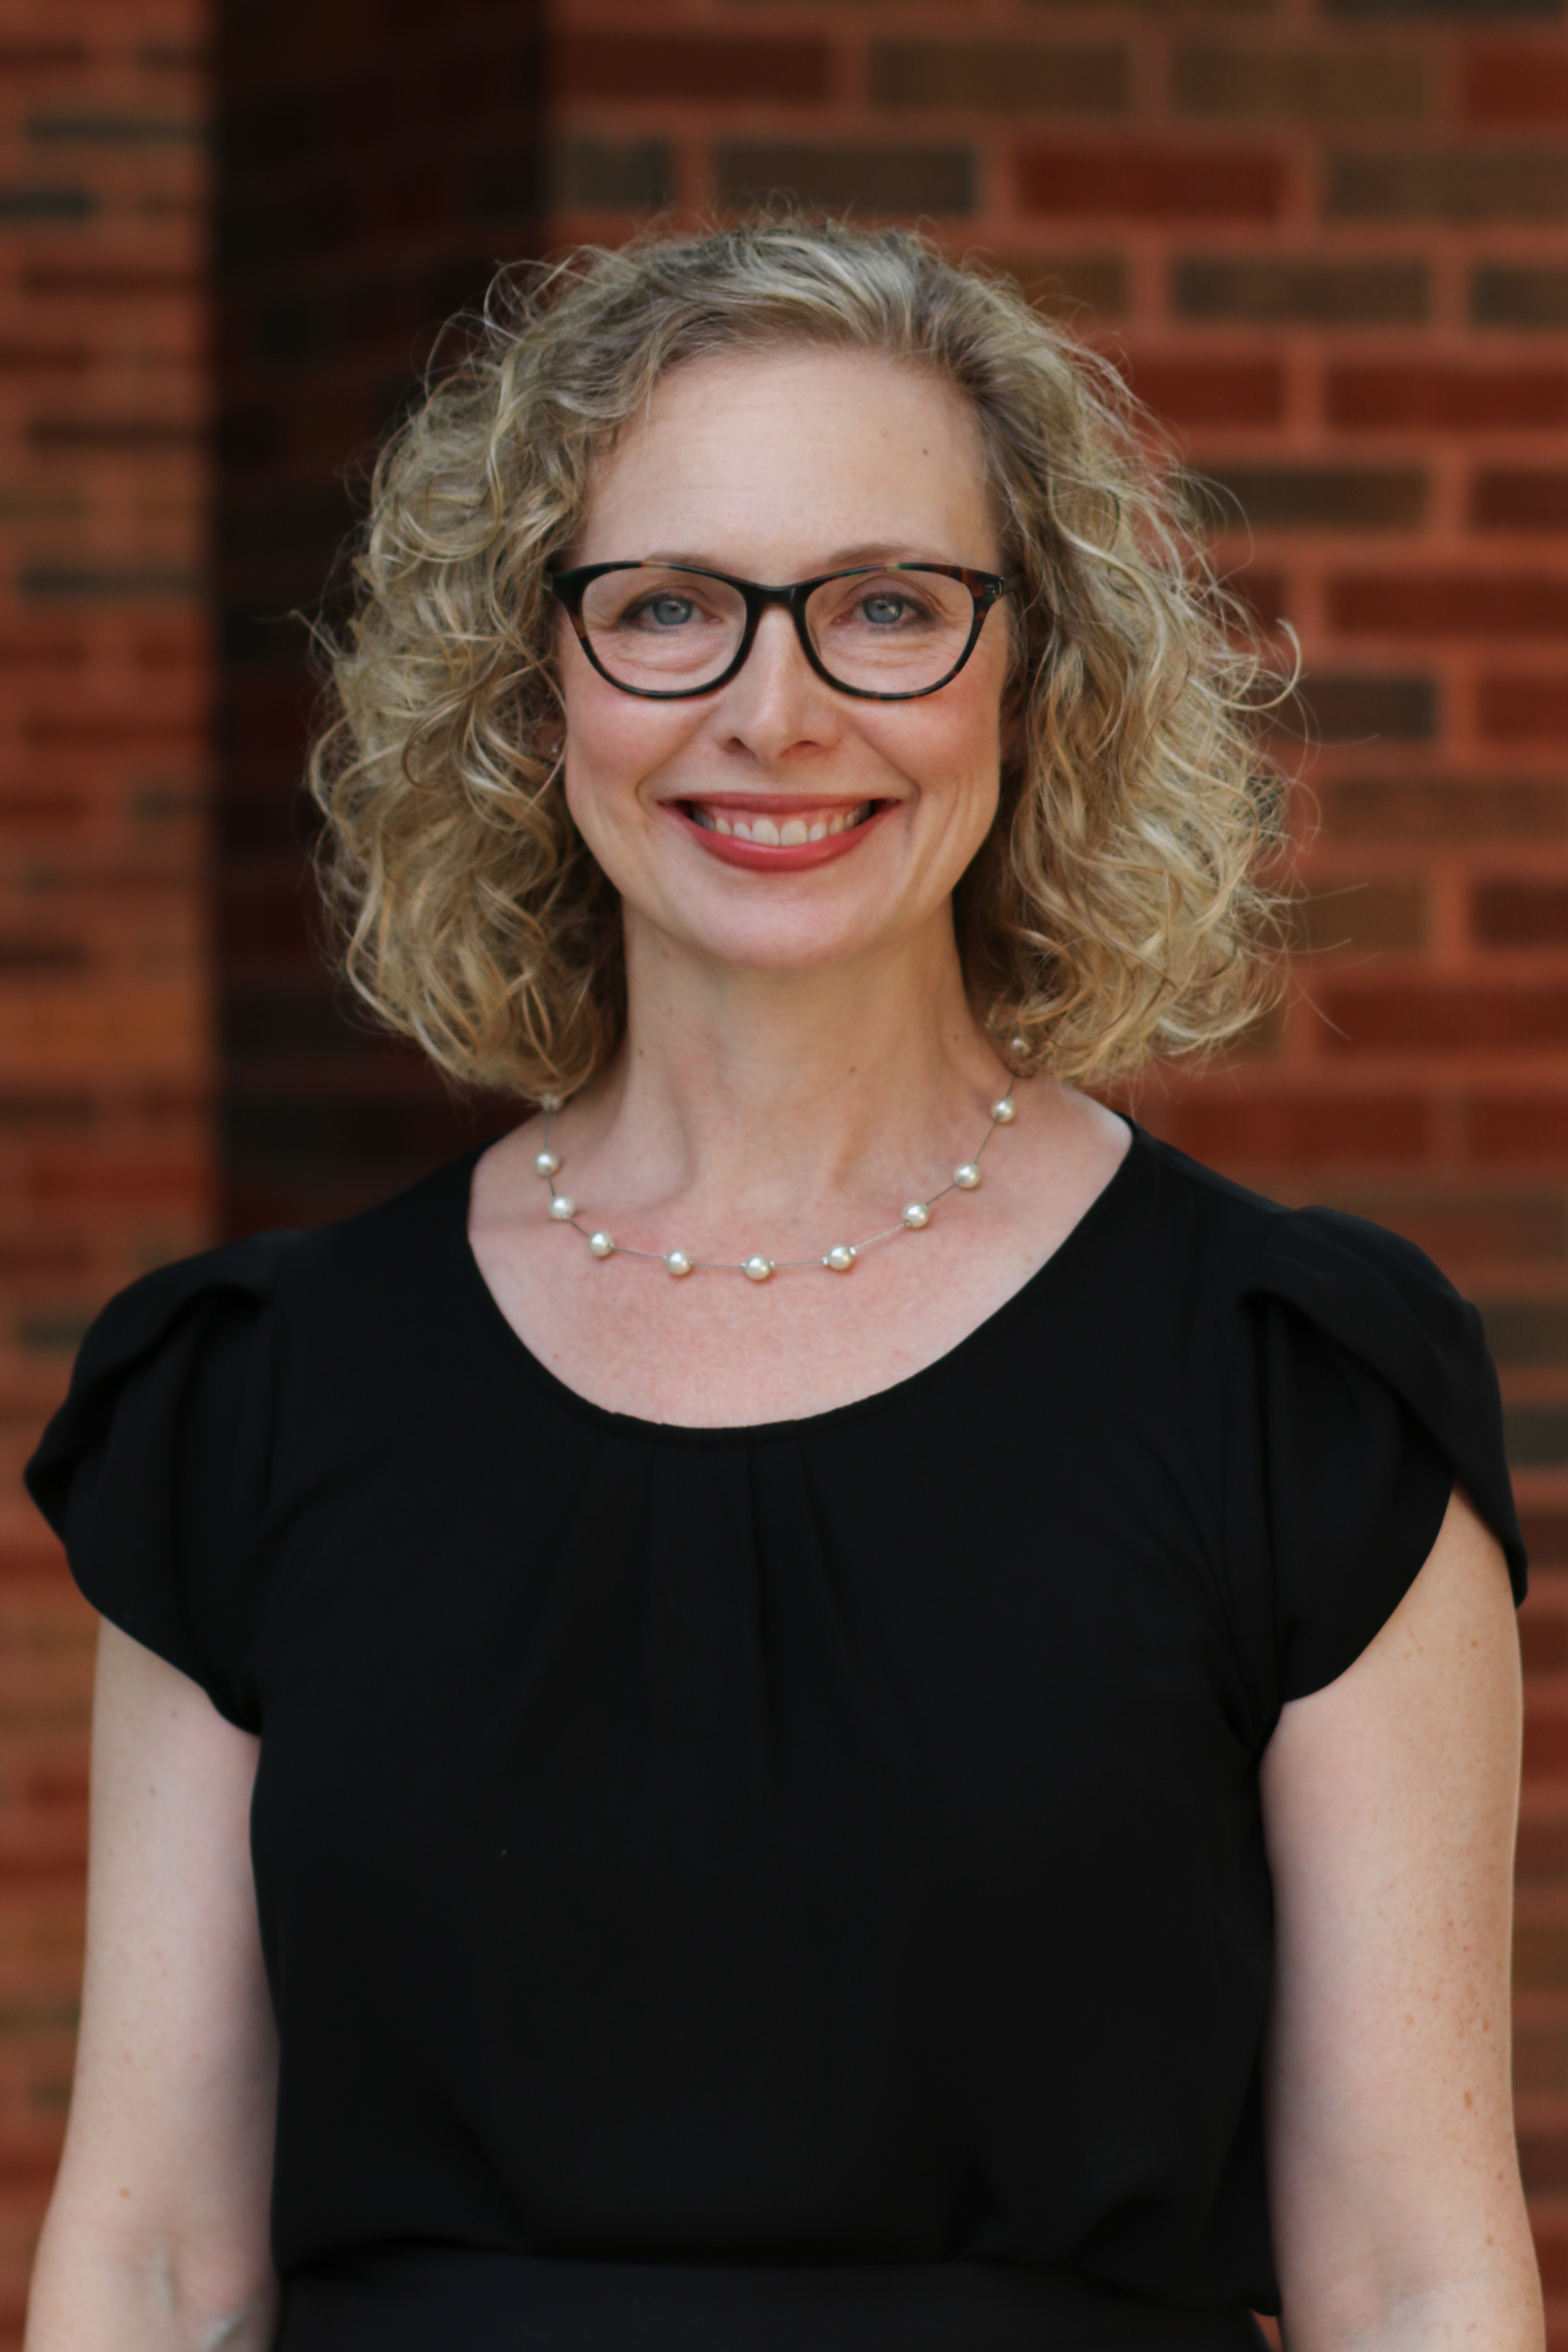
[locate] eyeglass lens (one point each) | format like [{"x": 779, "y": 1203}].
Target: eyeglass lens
[{"x": 885, "y": 632}]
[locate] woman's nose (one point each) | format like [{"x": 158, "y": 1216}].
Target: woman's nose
[{"x": 777, "y": 700}]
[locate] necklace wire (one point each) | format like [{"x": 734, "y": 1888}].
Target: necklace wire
[{"x": 839, "y": 1259}]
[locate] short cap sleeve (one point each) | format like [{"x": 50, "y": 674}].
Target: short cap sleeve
[
  {"x": 152, "y": 1468},
  {"x": 1376, "y": 1393}
]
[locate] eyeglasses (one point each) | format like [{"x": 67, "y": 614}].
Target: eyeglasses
[{"x": 887, "y": 632}]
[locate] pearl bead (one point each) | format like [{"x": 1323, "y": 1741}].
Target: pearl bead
[
  {"x": 601, "y": 1244},
  {"x": 563, "y": 1209},
  {"x": 1005, "y": 1111},
  {"x": 841, "y": 1258},
  {"x": 967, "y": 1177},
  {"x": 546, "y": 1163},
  {"x": 916, "y": 1215},
  {"x": 678, "y": 1262},
  {"x": 550, "y": 1102},
  {"x": 757, "y": 1269},
  {"x": 1016, "y": 1046}
]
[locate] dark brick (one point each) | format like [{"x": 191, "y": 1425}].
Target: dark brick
[
  {"x": 1527, "y": 1330},
  {"x": 1513, "y": 913},
  {"x": 1438, "y": 12},
  {"x": 1520, "y": 296},
  {"x": 1450, "y": 399},
  {"x": 1062, "y": 283},
  {"x": 1450, "y": 604},
  {"x": 999, "y": 76},
  {"x": 1318, "y": 498},
  {"x": 17, "y": 58},
  {"x": 1150, "y": 182},
  {"x": 105, "y": 582},
  {"x": 1445, "y": 1017},
  {"x": 651, "y": 66},
  {"x": 1301, "y": 85},
  {"x": 583, "y": 174},
  {"x": 1345, "y": 708},
  {"x": 113, "y": 433},
  {"x": 1267, "y": 291},
  {"x": 1503, "y": 296},
  {"x": 75, "y": 129},
  {"x": 110, "y": 281},
  {"x": 1537, "y": 1437},
  {"x": 842, "y": 175},
  {"x": 43, "y": 359},
  {"x": 1212, "y": 392},
  {"x": 1541, "y": 1958},
  {"x": 1543, "y": 1854},
  {"x": 1450, "y": 810},
  {"x": 1367, "y": 918},
  {"x": 1519, "y": 498},
  {"x": 45, "y": 204},
  {"x": 1545, "y": 1533},
  {"x": 1461, "y": 184},
  {"x": 1516, "y": 85},
  {"x": 1523, "y": 709}
]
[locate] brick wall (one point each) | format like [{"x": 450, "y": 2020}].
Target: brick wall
[{"x": 105, "y": 1031}]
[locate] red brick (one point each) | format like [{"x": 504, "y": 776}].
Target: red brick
[
  {"x": 1518, "y": 1130},
  {"x": 1443, "y": 1017},
  {"x": 1304, "y": 1131},
  {"x": 1520, "y": 498},
  {"x": 651, "y": 66},
  {"x": 1450, "y": 604},
  {"x": 1506, "y": 84},
  {"x": 1150, "y": 183},
  {"x": 1212, "y": 392},
  {"x": 1459, "y": 811},
  {"x": 1524, "y": 709},
  {"x": 1545, "y": 1533},
  {"x": 1448, "y": 399},
  {"x": 1518, "y": 913}
]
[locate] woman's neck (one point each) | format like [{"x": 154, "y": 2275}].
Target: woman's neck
[{"x": 759, "y": 1093}]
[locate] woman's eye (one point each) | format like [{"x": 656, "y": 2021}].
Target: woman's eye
[
  {"x": 664, "y": 612},
  {"x": 886, "y": 610}
]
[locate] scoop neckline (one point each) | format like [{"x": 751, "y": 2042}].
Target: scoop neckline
[{"x": 518, "y": 1352}]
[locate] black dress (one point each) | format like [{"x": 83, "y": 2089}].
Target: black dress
[{"x": 747, "y": 1890}]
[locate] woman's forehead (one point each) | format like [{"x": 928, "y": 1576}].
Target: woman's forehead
[{"x": 801, "y": 448}]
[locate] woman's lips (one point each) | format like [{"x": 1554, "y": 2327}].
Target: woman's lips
[{"x": 839, "y": 826}]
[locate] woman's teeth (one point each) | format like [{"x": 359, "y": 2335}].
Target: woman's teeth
[{"x": 794, "y": 830}]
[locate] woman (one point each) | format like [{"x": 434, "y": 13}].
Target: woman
[{"x": 836, "y": 1754}]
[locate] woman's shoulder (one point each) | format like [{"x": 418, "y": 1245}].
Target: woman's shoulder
[
  {"x": 198, "y": 1327},
  {"x": 1339, "y": 1268},
  {"x": 1365, "y": 1381}
]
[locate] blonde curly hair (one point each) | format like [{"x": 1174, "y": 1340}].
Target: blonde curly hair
[{"x": 1113, "y": 913}]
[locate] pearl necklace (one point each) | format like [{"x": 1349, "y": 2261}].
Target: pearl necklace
[{"x": 757, "y": 1269}]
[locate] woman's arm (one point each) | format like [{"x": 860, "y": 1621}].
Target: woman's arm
[
  {"x": 156, "y": 2237},
  {"x": 1389, "y": 1805}
]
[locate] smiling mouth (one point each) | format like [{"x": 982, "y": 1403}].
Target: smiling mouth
[{"x": 770, "y": 833}]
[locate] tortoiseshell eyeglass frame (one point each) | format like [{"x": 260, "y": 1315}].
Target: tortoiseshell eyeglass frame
[{"x": 985, "y": 587}]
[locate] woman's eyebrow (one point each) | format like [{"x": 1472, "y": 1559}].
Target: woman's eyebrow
[{"x": 843, "y": 558}]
